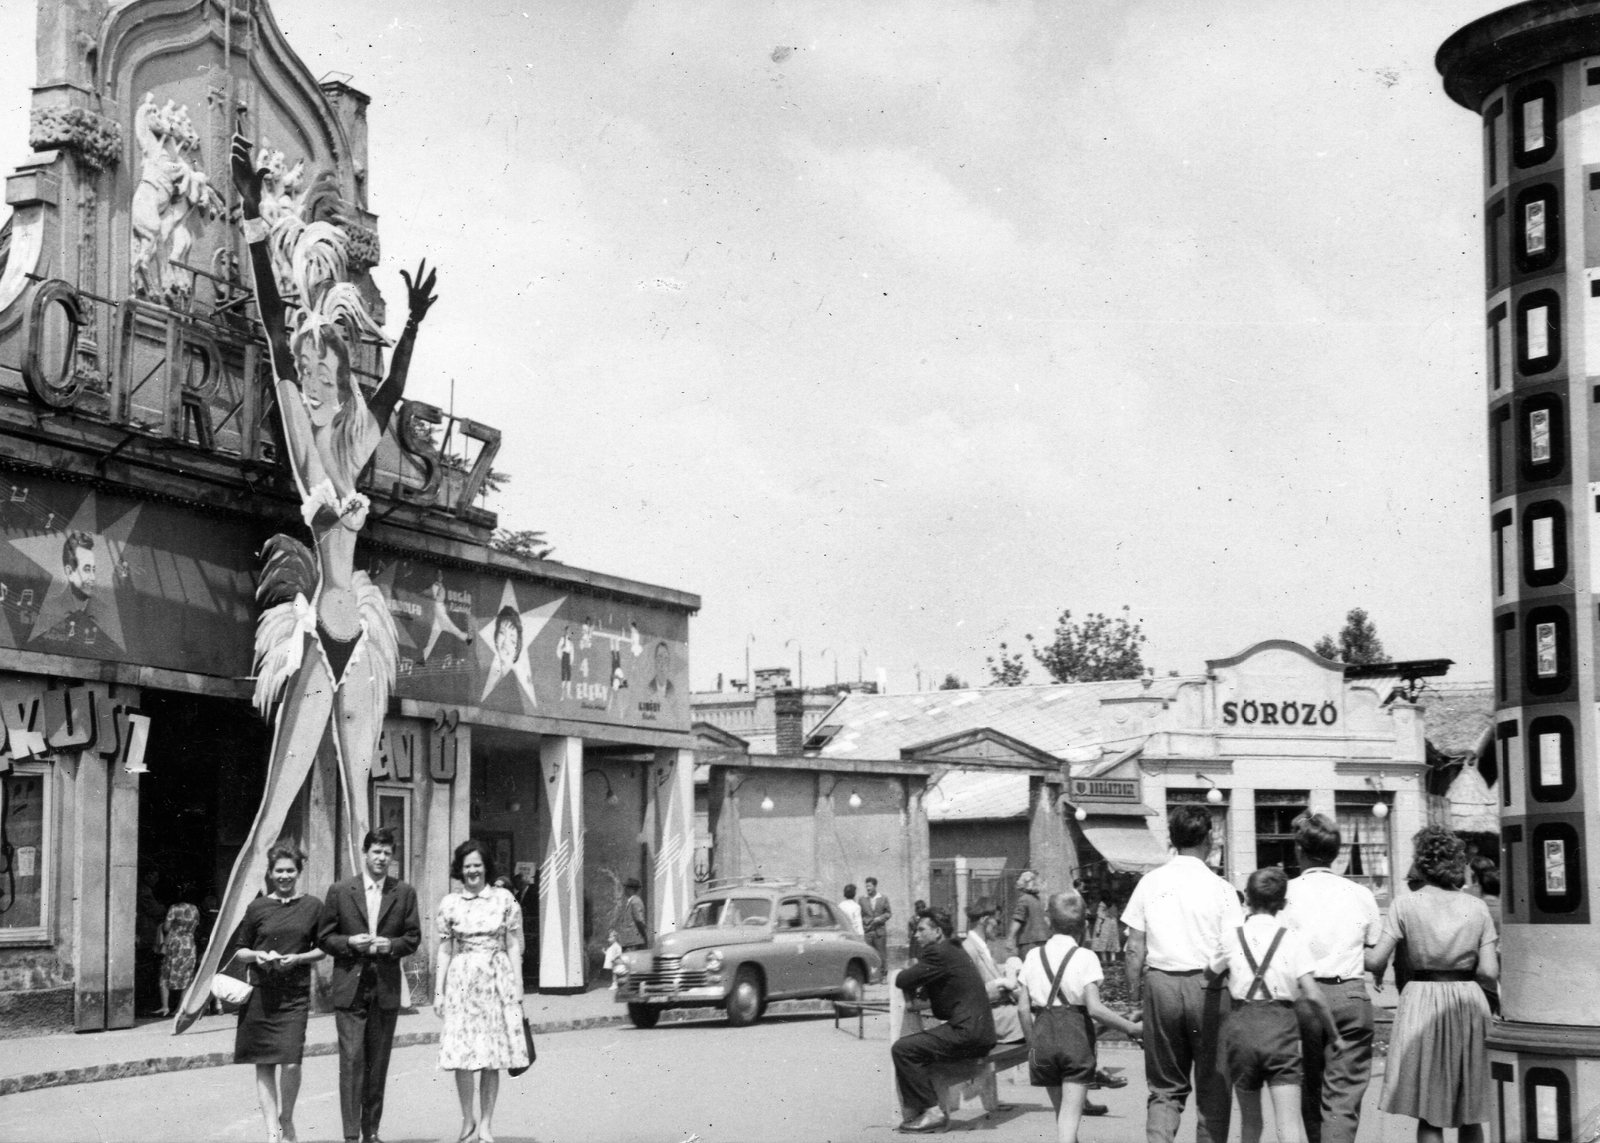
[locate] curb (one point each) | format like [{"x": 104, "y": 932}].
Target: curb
[{"x": 156, "y": 1065}]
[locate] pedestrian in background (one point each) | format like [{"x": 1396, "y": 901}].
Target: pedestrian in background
[
  {"x": 175, "y": 946},
  {"x": 478, "y": 986},
  {"x": 875, "y": 914},
  {"x": 1438, "y": 1066},
  {"x": 279, "y": 937},
  {"x": 1062, "y": 994},
  {"x": 851, "y": 909},
  {"x": 1270, "y": 970},
  {"x": 1176, "y": 918},
  {"x": 1030, "y": 927},
  {"x": 1338, "y": 920},
  {"x": 633, "y": 928},
  {"x": 1107, "y": 943}
]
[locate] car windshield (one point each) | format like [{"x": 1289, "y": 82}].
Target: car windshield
[{"x": 730, "y": 911}]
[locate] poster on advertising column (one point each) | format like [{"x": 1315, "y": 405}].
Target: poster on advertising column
[{"x": 520, "y": 647}]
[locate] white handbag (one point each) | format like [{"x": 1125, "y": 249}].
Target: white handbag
[{"x": 231, "y": 992}]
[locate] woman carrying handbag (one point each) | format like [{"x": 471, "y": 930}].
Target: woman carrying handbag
[
  {"x": 278, "y": 939},
  {"x": 478, "y": 987}
]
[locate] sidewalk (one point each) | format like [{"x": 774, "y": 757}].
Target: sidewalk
[{"x": 31, "y": 1062}]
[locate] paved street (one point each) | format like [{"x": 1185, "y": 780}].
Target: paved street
[{"x": 789, "y": 1079}]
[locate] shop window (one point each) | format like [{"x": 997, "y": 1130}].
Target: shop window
[
  {"x": 1536, "y": 229},
  {"x": 1367, "y": 841},
  {"x": 1542, "y": 438},
  {"x": 1539, "y": 331},
  {"x": 1552, "y": 773},
  {"x": 1544, "y": 544},
  {"x": 1506, "y": 738},
  {"x": 1276, "y": 811},
  {"x": 1546, "y": 1105},
  {"x": 1219, "y": 823},
  {"x": 1547, "y": 651},
  {"x": 1493, "y": 120},
  {"x": 25, "y": 841},
  {"x": 1533, "y": 124},
  {"x": 391, "y": 809},
  {"x": 1494, "y": 235},
  {"x": 1557, "y": 868},
  {"x": 1501, "y": 526},
  {"x": 1497, "y": 346}
]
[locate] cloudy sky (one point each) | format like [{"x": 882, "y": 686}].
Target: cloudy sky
[{"x": 893, "y": 329}]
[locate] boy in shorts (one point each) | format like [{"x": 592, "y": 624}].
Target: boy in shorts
[
  {"x": 1268, "y": 966},
  {"x": 1061, "y": 981}
]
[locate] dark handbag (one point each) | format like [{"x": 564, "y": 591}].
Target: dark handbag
[{"x": 527, "y": 1034}]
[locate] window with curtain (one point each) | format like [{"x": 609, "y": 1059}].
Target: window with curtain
[{"x": 1364, "y": 857}]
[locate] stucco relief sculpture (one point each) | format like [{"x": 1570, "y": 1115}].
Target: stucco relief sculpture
[
  {"x": 326, "y": 649},
  {"x": 173, "y": 199}
]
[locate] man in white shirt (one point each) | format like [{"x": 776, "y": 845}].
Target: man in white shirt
[
  {"x": 851, "y": 908},
  {"x": 1002, "y": 988},
  {"x": 1175, "y": 920},
  {"x": 1339, "y": 921}
]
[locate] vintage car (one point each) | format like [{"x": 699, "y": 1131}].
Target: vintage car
[{"x": 745, "y": 944}]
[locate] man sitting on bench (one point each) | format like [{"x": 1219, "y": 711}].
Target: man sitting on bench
[{"x": 957, "y": 996}]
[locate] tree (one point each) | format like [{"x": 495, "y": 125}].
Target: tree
[
  {"x": 1093, "y": 649},
  {"x": 1358, "y": 641},
  {"x": 529, "y": 545},
  {"x": 1009, "y": 670},
  {"x": 953, "y": 683}
]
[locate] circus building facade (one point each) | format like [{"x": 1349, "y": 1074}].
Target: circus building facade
[{"x": 191, "y": 546}]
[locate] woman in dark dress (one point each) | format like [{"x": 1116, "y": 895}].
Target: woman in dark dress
[{"x": 279, "y": 937}]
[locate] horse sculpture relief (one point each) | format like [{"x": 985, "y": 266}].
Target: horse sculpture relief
[{"x": 173, "y": 199}]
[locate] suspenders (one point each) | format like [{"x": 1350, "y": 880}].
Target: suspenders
[
  {"x": 1055, "y": 977},
  {"x": 1260, "y": 980}
]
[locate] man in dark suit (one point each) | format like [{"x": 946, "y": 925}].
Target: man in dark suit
[
  {"x": 875, "y": 913},
  {"x": 957, "y": 996},
  {"x": 369, "y": 922}
]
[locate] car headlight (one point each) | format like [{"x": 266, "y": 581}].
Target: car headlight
[
  {"x": 620, "y": 968},
  {"x": 714, "y": 960}
]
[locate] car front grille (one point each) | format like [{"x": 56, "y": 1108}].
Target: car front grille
[{"x": 667, "y": 974}]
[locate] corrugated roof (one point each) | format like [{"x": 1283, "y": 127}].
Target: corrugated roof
[
  {"x": 970, "y": 795},
  {"x": 1063, "y": 719},
  {"x": 1456, "y": 716}
]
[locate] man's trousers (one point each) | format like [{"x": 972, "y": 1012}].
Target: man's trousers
[
  {"x": 1182, "y": 1036},
  {"x": 1335, "y": 1082},
  {"x": 914, "y": 1057},
  {"x": 366, "y": 1035}
]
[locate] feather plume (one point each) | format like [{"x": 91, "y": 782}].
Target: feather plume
[
  {"x": 280, "y": 647},
  {"x": 372, "y": 678},
  {"x": 290, "y": 570}
]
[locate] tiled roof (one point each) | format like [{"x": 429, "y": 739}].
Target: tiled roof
[
  {"x": 1063, "y": 719},
  {"x": 1456, "y": 715},
  {"x": 969, "y": 795}
]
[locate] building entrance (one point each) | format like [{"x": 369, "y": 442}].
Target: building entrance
[{"x": 207, "y": 766}]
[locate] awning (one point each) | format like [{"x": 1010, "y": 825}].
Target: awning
[{"x": 1126, "y": 843}]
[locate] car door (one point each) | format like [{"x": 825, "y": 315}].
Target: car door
[
  {"x": 826, "y": 950},
  {"x": 788, "y": 969}
]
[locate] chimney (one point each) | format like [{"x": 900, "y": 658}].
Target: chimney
[{"x": 791, "y": 712}]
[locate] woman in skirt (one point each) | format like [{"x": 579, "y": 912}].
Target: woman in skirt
[
  {"x": 478, "y": 990},
  {"x": 1438, "y": 1069},
  {"x": 1268, "y": 967},
  {"x": 279, "y": 937}
]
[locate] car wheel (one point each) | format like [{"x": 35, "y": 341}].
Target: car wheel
[
  {"x": 744, "y": 1003},
  {"x": 644, "y": 1015},
  {"x": 855, "y": 984}
]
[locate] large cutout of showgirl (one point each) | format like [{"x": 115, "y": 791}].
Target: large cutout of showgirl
[{"x": 325, "y": 648}]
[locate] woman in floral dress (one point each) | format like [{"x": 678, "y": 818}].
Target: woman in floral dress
[
  {"x": 175, "y": 940},
  {"x": 478, "y": 986}
]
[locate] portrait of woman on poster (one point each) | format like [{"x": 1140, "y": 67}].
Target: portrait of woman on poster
[{"x": 277, "y": 939}]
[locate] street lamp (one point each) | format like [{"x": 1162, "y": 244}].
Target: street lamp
[
  {"x": 1213, "y": 795},
  {"x": 611, "y": 795},
  {"x": 1380, "y": 808}
]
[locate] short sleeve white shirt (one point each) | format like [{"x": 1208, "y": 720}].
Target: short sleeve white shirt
[
  {"x": 1083, "y": 970},
  {"x": 1289, "y": 963},
  {"x": 852, "y": 913},
  {"x": 1338, "y": 920},
  {"x": 1182, "y": 908}
]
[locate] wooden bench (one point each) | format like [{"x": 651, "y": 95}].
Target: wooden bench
[{"x": 956, "y": 1080}]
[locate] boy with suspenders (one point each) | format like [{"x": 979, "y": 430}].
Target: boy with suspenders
[
  {"x": 1268, "y": 966},
  {"x": 1063, "y": 997}
]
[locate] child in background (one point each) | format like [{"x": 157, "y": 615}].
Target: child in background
[
  {"x": 613, "y": 955},
  {"x": 1062, "y": 982},
  {"x": 1268, "y": 966}
]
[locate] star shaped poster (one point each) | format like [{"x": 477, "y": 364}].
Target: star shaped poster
[
  {"x": 85, "y": 563},
  {"x": 507, "y": 636}
]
